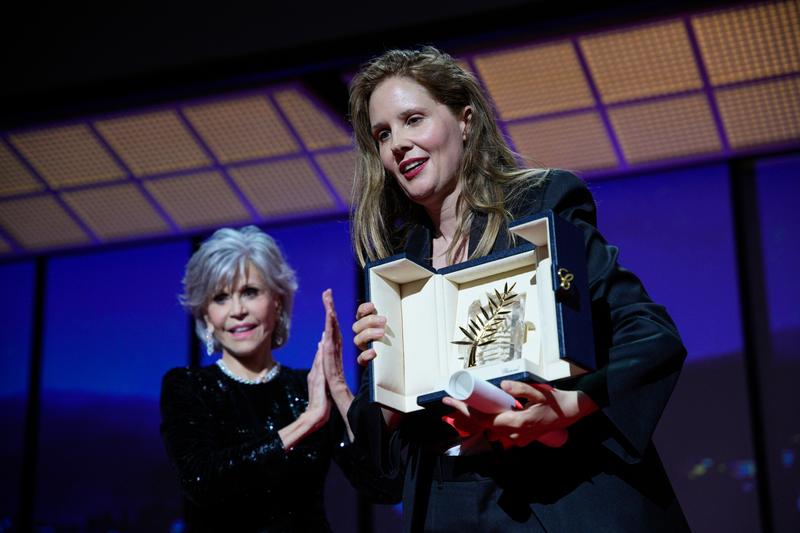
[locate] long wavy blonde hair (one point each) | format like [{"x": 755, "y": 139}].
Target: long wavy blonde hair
[{"x": 489, "y": 174}]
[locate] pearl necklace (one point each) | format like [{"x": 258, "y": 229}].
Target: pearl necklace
[{"x": 266, "y": 378}]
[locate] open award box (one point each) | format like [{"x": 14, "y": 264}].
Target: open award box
[{"x": 521, "y": 314}]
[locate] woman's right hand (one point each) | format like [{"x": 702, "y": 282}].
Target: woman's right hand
[
  {"x": 319, "y": 403},
  {"x": 317, "y": 411},
  {"x": 368, "y": 327}
]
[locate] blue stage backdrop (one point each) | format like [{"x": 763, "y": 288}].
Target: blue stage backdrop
[
  {"x": 112, "y": 327},
  {"x": 16, "y": 282},
  {"x": 674, "y": 229},
  {"x": 778, "y": 189}
]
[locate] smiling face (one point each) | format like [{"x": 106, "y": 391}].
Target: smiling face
[
  {"x": 421, "y": 141},
  {"x": 243, "y": 316}
]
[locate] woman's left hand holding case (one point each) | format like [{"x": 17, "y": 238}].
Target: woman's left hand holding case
[{"x": 546, "y": 414}]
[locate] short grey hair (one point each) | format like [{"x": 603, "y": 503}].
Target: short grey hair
[{"x": 219, "y": 262}]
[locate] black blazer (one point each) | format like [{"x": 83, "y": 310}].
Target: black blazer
[{"x": 608, "y": 476}]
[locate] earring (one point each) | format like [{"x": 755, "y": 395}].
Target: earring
[
  {"x": 277, "y": 333},
  {"x": 209, "y": 342}
]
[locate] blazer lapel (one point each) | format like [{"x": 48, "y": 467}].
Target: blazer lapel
[
  {"x": 418, "y": 244},
  {"x": 477, "y": 229},
  {"x": 418, "y": 241}
]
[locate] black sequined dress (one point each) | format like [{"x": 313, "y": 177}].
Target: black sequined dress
[{"x": 222, "y": 436}]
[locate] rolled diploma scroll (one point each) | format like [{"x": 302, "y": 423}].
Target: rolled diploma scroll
[{"x": 487, "y": 398}]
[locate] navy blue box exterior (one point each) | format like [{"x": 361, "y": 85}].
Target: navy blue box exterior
[{"x": 573, "y": 306}]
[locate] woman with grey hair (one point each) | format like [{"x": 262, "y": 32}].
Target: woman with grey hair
[{"x": 250, "y": 438}]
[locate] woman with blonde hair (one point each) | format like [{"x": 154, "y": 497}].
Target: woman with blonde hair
[{"x": 435, "y": 179}]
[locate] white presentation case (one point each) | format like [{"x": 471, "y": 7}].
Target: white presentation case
[{"x": 424, "y": 309}]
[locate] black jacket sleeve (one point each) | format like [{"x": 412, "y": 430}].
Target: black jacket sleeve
[
  {"x": 638, "y": 345},
  {"x": 376, "y": 448},
  {"x": 377, "y": 484}
]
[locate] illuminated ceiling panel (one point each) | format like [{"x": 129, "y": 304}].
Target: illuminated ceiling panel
[
  {"x": 340, "y": 168},
  {"x": 314, "y": 126},
  {"x": 534, "y": 81},
  {"x": 14, "y": 177},
  {"x": 241, "y": 129},
  {"x": 153, "y": 143},
  {"x": 283, "y": 187},
  {"x": 40, "y": 222},
  {"x": 576, "y": 142},
  {"x": 272, "y": 152},
  {"x": 116, "y": 211},
  {"x": 66, "y": 156},
  {"x": 464, "y": 65},
  {"x": 762, "y": 113},
  {"x": 750, "y": 43},
  {"x": 671, "y": 128},
  {"x": 198, "y": 200},
  {"x": 649, "y": 61}
]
